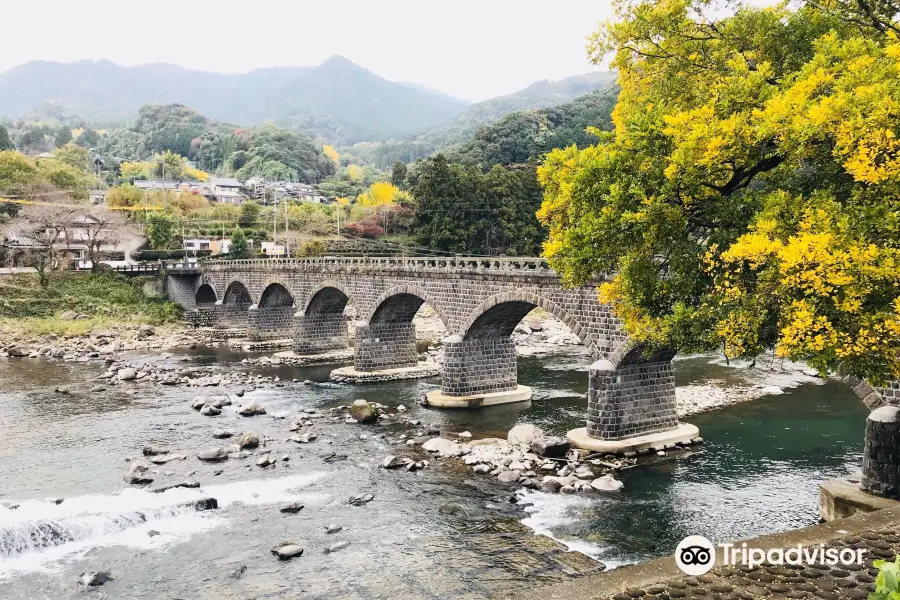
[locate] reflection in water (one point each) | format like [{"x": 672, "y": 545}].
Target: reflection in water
[{"x": 436, "y": 533}]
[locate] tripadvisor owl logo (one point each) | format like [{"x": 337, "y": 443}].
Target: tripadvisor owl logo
[{"x": 695, "y": 555}]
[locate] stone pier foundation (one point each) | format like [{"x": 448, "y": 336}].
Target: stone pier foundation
[
  {"x": 320, "y": 333},
  {"x": 881, "y": 454},
  {"x": 270, "y": 323},
  {"x": 382, "y": 346},
  {"x": 479, "y": 366},
  {"x": 631, "y": 400}
]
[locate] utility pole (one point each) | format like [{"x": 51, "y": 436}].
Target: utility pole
[{"x": 287, "y": 242}]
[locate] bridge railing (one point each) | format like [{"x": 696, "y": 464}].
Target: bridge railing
[
  {"x": 155, "y": 268},
  {"x": 391, "y": 263}
]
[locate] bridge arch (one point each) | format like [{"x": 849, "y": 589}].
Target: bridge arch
[
  {"x": 237, "y": 295},
  {"x": 327, "y": 297},
  {"x": 400, "y": 304},
  {"x": 497, "y": 316},
  {"x": 205, "y": 296},
  {"x": 275, "y": 295}
]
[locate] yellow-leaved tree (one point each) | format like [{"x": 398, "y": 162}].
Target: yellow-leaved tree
[{"x": 748, "y": 199}]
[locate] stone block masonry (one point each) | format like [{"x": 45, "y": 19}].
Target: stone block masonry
[
  {"x": 479, "y": 301},
  {"x": 479, "y": 366},
  {"x": 270, "y": 323},
  {"x": 382, "y": 346},
  {"x": 631, "y": 400},
  {"x": 881, "y": 453},
  {"x": 319, "y": 333}
]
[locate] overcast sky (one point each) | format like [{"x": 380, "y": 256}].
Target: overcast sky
[{"x": 473, "y": 49}]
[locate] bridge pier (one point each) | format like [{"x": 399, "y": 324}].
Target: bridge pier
[
  {"x": 478, "y": 372},
  {"x": 632, "y": 407},
  {"x": 385, "y": 345},
  {"x": 319, "y": 333},
  {"x": 269, "y": 323}
]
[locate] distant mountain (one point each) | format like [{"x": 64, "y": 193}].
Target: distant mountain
[
  {"x": 438, "y": 93},
  {"x": 339, "y": 100},
  {"x": 342, "y": 101},
  {"x": 525, "y": 135},
  {"x": 105, "y": 92},
  {"x": 541, "y": 94},
  {"x": 463, "y": 128}
]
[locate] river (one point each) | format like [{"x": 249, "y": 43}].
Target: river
[{"x": 436, "y": 533}]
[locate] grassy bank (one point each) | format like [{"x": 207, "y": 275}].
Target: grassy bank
[{"x": 107, "y": 299}]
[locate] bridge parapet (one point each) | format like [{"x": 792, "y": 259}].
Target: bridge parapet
[{"x": 537, "y": 267}]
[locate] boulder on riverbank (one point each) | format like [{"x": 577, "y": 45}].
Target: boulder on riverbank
[
  {"x": 136, "y": 473},
  {"x": 524, "y": 434},
  {"x": 252, "y": 409},
  {"x": 94, "y": 578},
  {"x": 287, "y": 550},
  {"x": 363, "y": 412},
  {"x": 248, "y": 440},
  {"x": 213, "y": 455},
  {"x": 551, "y": 447}
]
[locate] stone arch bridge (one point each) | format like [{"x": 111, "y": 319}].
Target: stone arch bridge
[{"x": 480, "y": 302}]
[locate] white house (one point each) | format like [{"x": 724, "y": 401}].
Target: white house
[{"x": 225, "y": 190}]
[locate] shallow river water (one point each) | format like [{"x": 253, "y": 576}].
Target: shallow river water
[{"x": 440, "y": 532}]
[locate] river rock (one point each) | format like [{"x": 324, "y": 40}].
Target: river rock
[
  {"x": 171, "y": 486},
  {"x": 336, "y": 547},
  {"x": 360, "y": 499},
  {"x": 363, "y": 412},
  {"x": 210, "y": 411},
  {"x": 333, "y": 529},
  {"x": 252, "y": 409},
  {"x": 213, "y": 455},
  {"x": 221, "y": 434},
  {"x": 127, "y": 374},
  {"x": 100, "y": 332},
  {"x": 292, "y": 508},
  {"x": 391, "y": 462},
  {"x": 481, "y": 469},
  {"x": 205, "y": 504},
  {"x": 508, "y": 477},
  {"x": 607, "y": 483},
  {"x": 68, "y": 315},
  {"x": 94, "y": 578},
  {"x": 18, "y": 351},
  {"x": 135, "y": 475},
  {"x": 524, "y": 433},
  {"x": 443, "y": 447},
  {"x": 287, "y": 550},
  {"x": 264, "y": 461},
  {"x": 163, "y": 459},
  {"x": 248, "y": 440},
  {"x": 154, "y": 450},
  {"x": 551, "y": 447},
  {"x": 147, "y": 330}
]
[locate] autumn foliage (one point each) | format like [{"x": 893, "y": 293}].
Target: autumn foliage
[{"x": 748, "y": 199}]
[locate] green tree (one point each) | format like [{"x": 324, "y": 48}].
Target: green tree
[
  {"x": 239, "y": 247},
  {"x": 749, "y": 198},
  {"x": 74, "y": 156},
  {"x": 63, "y": 136},
  {"x": 249, "y": 214},
  {"x": 398, "y": 175},
  {"x": 5, "y": 142},
  {"x": 89, "y": 138},
  {"x": 160, "y": 230}
]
